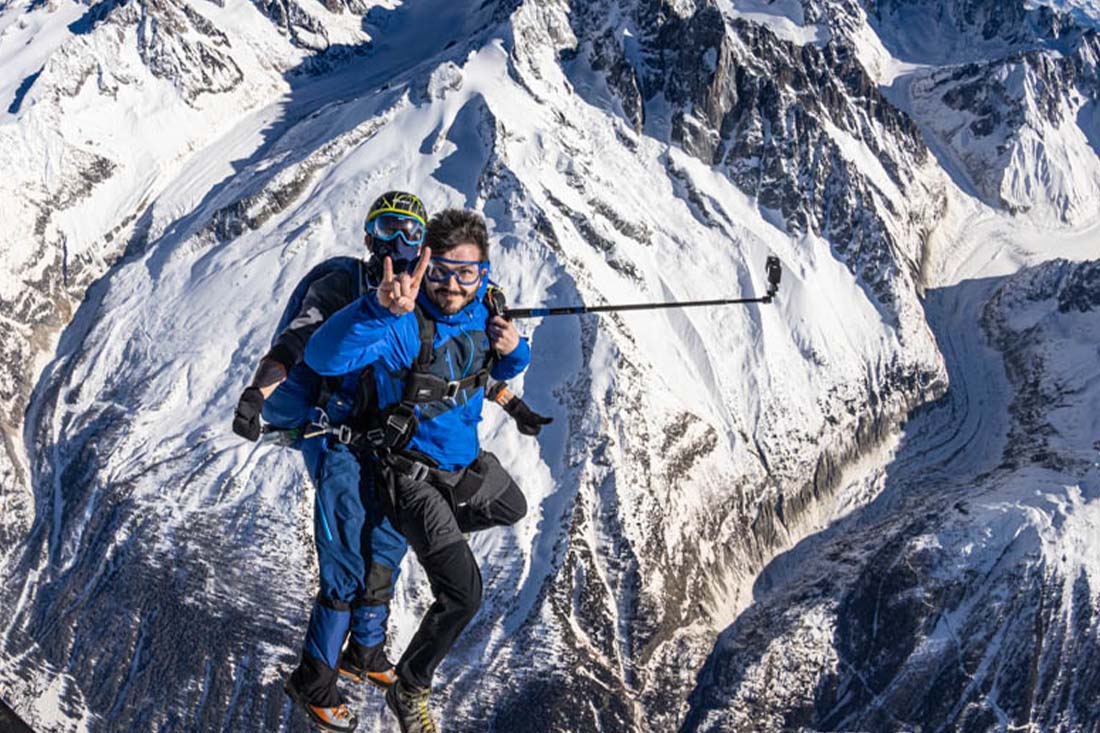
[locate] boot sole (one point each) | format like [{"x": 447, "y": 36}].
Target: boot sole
[
  {"x": 382, "y": 684},
  {"x": 303, "y": 705}
]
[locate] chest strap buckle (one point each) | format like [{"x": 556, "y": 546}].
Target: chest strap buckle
[{"x": 450, "y": 393}]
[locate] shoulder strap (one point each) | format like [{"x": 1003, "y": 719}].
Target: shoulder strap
[{"x": 426, "y": 328}]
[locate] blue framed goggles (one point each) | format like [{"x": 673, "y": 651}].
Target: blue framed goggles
[
  {"x": 466, "y": 272},
  {"x": 388, "y": 227}
]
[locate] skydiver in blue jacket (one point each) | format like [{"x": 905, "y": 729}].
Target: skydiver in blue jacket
[{"x": 426, "y": 356}]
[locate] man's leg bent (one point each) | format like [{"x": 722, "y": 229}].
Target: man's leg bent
[{"x": 498, "y": 503}]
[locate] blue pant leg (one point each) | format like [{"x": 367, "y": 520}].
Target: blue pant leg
[
  {"x": 383, "y": 547},
  {"x": 339, "y": 518}
]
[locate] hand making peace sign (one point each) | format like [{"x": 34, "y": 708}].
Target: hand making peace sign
[{"x": 398, "y": 294}]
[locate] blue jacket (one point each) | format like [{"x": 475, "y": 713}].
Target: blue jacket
[{"x": 365, "y": 333}]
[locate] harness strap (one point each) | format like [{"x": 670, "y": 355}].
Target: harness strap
[
  {"x": 411, "y": 467},
  {"x": 426, "y": 328},
  {"x": 393, "y": 427},
  {"x": 458, "y": 486},
  {"x": 395, "y": 431},
  {"x": 421, "y": 388}
]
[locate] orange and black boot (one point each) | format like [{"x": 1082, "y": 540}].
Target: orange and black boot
[
  {"x": 335, "y": 717},
  {"x": 367, "y": 663}
]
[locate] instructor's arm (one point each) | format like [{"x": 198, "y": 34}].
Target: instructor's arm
[
  {"x": 371, "y": 328},
  {"x": 323, "y": 298}
]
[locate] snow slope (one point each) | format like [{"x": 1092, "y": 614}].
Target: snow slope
[
  {"x": 972, "y": 570},
  {"x": 99, "y": 113},
  {"x": 1004, "y": 95},
  {"x": 1086, "y": 12}
]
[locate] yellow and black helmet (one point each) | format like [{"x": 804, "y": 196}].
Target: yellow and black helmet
[{"x": 398, "y": 202}]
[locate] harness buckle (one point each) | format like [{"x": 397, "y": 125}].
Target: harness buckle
[
  {"x": 318, "y": 426},
  {"x": 343, "y": 434},
  {"x": 418, "y": 471},
  {"x": 451, "y": 392},
  {"x": 376, "y": 436}
]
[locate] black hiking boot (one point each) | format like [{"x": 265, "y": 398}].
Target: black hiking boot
[
  {"x": 410, "y": 705},
  {"x": 336, "y": 718},
  {"x": 367, "y": 663}
]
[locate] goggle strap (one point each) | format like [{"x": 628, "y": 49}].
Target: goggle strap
[
  {"x": 446, "y": 261},
  {"x": 399, "y": 212}
]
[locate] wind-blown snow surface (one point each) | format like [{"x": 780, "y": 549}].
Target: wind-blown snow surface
[{"x": 164, "y": 569}]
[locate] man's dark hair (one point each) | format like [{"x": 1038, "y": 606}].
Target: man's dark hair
[{"x": 451, "y": 228}]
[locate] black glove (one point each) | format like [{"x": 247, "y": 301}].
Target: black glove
[
  {"x": 246, "y": 420},
  {"x": 527, "y": 420}
]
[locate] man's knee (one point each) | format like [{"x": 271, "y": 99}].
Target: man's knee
[
  {"x": 511, "y": 506},
  {"x": 508, "y": 504},
  {"x": 458, "y": 580},
  {"x": 379, "y": 585},
  {"x": 387, "y": 545}
]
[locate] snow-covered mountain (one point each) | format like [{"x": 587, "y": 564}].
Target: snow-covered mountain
[
  {"x": 742, "y": 519},
  {"x": 963, "y": 597}
]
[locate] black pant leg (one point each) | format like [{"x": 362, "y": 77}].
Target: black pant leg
[
  {"x": 456, "y": 585},
  {"x": 425, "y": 518}
]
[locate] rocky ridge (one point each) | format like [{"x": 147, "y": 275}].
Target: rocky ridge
[
  {"x": 63, "y": 163},
  {"x": 964, "y": 605}
]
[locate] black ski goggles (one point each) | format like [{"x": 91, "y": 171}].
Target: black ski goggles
[
  {"x": 388, "y": 227},
  {"x": 466, "y": 272}
]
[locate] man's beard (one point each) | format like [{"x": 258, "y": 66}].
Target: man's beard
[{"x": 451, "y": 301}]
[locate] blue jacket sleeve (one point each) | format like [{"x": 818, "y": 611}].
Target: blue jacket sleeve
[
  {"x": 513, "y": 364},
  {"x": 359, "y": 334}
]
